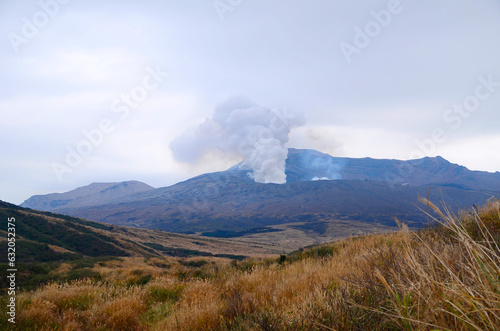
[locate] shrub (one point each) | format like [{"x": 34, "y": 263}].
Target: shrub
[
  {"x": 123, "y": 314},
  {"x": 139, "y": 280},
  {"x": 163, "y": 294}
]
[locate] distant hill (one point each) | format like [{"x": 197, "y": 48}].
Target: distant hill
[
  {"x": 325, "y": 198},
  {"x": 51, "y": 247},
  {"x": 45, "y": 236},
  {"x": 90, "y": 195}
]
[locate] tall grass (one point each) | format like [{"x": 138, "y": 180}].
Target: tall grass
[
  {"x": 449, "y": 278},
  {"x": 444, "y": 278}
]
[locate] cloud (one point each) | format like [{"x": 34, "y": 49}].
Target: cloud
[{"x": 64, "y": 80}]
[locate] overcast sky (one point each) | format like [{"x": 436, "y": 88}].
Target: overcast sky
[{"x": 381, "y": 79}]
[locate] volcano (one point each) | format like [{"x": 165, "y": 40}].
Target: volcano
[{"x": 355, "y": 193}]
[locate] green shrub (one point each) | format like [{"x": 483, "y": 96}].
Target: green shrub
[{"x": 162, "y": 294}]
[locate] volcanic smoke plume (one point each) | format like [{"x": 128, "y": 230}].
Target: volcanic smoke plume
[{"x": 238, "y": 125}]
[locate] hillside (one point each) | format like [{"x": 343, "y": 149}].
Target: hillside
[
  {"x": 45, "y": 240},
  {"x": 66, "y": 237},
  {"x": 444, "y": 278},
  {"x": 43, "y": 237}
]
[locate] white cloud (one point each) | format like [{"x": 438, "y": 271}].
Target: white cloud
[
  {"x": 284, "y": 53},
  {"x": 477, "y": 153},
  {"x": 352, "y": 141}
]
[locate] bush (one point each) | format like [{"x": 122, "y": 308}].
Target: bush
[
  {"x": 139, "y": 280},
  {"x": 163, "y": 294},
  {"x": 193, "y": 264},
  {"x": 80, "y": 274}
]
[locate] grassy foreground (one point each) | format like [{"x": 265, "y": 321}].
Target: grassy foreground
[{"x": 444, "y": 278}]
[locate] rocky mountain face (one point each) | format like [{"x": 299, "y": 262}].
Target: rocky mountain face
[{"x": 304, "y": 165}]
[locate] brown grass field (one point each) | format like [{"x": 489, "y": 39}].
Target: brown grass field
[{"x": 443, "y": 278}]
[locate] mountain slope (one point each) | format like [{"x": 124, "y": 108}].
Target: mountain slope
[
  {"x": 93, "y": 194},
  {"x": 45, "y": 236},
  {"x": 367, "y": 193},
  {"x": 42, "y": 236},
  {"x": 57, "y": 248},
  {"x": 303, "y": 165},
  {"x": 225, "y": 201}
]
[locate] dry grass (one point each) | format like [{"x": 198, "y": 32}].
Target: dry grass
[{"x": 445, "y": 278}]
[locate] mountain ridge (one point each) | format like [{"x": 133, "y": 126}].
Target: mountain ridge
[
  {"x": 92, "y": 194},
  {"x": 360, "y": 193},
  {"x": 424, "y": 171},
  {"x": 302, "y": 165}
]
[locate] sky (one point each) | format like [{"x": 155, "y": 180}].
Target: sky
[{"x": 96, "y": 91}]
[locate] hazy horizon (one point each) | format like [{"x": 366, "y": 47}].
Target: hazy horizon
[{"x": 100, "y": 92}]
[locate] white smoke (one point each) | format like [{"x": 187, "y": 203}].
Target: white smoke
[
  {"x": 319, "y": 166},
  {"x": 238, "y": 125},
  {"x": 315, "y": 178}
]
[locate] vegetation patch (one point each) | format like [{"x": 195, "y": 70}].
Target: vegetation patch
[
  {"x": 238, "y": 233},
  {"x": 71, "y": 236},
  {"x": 440, "y": 278},
  {"x": 184, "y": 252}
]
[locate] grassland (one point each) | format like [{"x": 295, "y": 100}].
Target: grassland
[{"x": 443, "y": 278}]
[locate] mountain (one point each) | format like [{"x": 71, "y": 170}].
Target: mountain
[
  {"x": 225, "y": 201},
  {"x": 310, "y": 165},
  {"x": 90, "y": 195},
  {"x": 304, "y": 165},
  {"x": 325, "y": 198}
]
